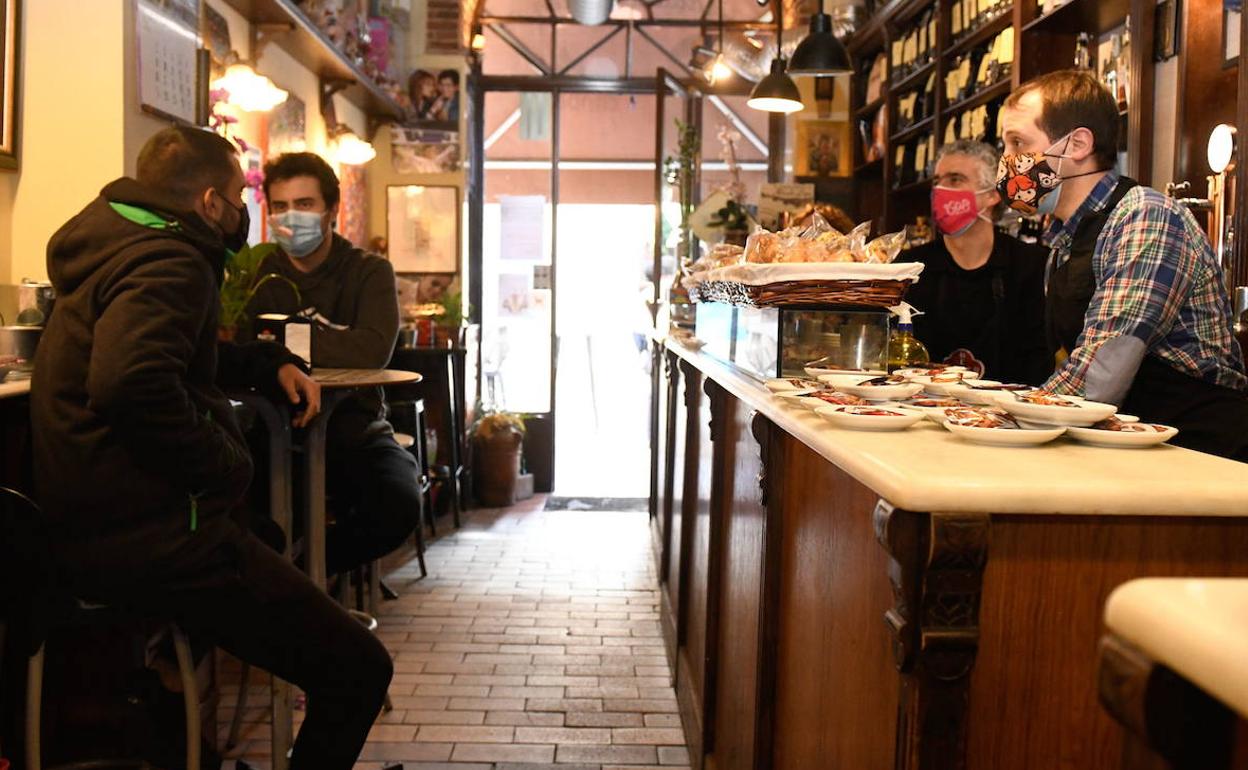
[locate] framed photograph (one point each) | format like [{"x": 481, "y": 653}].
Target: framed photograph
[
  {"x": 435, "y": 99},
  {"x": 9, "y": 61},
  {"x": 288, "y": 127},
  {"x": 422, "y": 228},
  {"x": 423, "y": 151},
  {"x": 1231, "y": 12},
  {"x": 822, "y": 149}
]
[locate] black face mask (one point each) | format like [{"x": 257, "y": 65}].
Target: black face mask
[{"x": 237, "y": 239}]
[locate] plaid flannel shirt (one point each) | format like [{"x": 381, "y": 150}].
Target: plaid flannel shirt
[{"x": 1156, "y": 279}]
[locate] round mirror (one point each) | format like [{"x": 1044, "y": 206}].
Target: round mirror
[{"x": 1221, "y": 148}]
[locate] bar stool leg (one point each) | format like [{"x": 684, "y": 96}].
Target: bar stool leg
[
  {"x": 240, "y": 705},
  {"x": 34, "y": 710},
  {"x": 374, "y": 586},
  {"x": 190, "y": 696}
]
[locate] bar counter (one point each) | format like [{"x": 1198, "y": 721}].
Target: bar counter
[{"x": 845, "y": 599}]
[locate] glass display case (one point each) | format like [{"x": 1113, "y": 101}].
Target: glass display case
[{"x": 781, "y": 342}]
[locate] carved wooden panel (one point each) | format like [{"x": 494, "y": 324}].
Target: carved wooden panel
[{"x": 937, "y": 573}]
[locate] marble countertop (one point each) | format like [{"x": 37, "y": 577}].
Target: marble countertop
[
  {"x": 10, "y": 387},
  {"x": 927, "y": 468},
  {"x": 1197, "y": 627}
]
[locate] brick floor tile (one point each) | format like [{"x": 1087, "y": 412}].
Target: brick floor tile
[
  {"x": 564, "y": 704},
  {"x": 563, "y": 735},
  {"x": 654, "y": 736},
  {"x": 673, "y": 755},
  {"x": 602, "y": 754},
  {"x": 662, "y": 720},
  {"x": 494, "y": 752},
  {"x": 526, "y": 718},
  {"x": 428, "y": 717},
  {"x": 466, "y": 734},
  {"x": 486, "y": 704},
  {"x": 606, "y": 719}
]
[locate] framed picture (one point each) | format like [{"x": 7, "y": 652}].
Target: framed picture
[
  {"x": 9, "y": 60},
  {"x": 422, "y": 151},
  {"x": 823, "y": 149},
  {"x": 288, "y": 127},
  {"x": 435, "y": 99},
  {"x": 1231, "y": 12},
  {"x": 422, "y": 228}
]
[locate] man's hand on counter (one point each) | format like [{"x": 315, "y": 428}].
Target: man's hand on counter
[{"x": 301, "y": 390}]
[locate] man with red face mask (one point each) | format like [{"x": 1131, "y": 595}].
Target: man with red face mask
[
  {"x": 982, "y": 291},
  {"x": 1134, "y": 292}
]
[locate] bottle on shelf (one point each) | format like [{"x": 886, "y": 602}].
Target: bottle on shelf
[
  {"x": 1083, "y": 51},
  {"x": 904, "y": 349}
]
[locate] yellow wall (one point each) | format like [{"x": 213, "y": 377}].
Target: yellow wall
[
  {"x": 72, "y": 124},
  {"x": 81, "y": 124}
]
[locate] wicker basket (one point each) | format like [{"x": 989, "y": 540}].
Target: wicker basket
[{"x": 875, "y": 293}]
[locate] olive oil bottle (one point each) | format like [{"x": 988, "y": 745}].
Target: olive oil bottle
[{"x": 904, "y": 349}]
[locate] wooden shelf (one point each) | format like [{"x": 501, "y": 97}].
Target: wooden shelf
[
  {"x": 915, "y": 78},
  {"x": 870, "y": 107},
  {"x": 1095, "y": 16},
  {"x": 905, "y": 135},
  {"x": 909, "y": 10},
  {"x": 983, "y": 96},
  {"x": 922, "y": 184},
  {"x": 982, "y": 35},
  {"x": 308, "y": 45},
  {"x": 871, "y": 165}
]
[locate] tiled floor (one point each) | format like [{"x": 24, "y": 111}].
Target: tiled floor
[{"x": 534, "y": 643}]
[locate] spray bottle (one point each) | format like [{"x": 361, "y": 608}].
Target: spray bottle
[{"x": 904, "y": 349}]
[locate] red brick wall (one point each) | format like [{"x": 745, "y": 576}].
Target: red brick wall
[{"x": 442, "y": 34}]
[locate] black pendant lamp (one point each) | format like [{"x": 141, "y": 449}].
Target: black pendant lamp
[
  {"x": 820, "y": 54},
  {"x": 776, "y": 92}
]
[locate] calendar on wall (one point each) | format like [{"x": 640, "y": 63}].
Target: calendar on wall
[{"x": 169, "y": 68}]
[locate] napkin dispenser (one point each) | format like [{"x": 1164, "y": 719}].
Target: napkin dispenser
[{"x": 292, "y": 331}]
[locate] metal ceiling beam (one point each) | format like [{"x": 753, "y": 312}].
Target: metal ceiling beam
[
  {"x": 588, "y": 51},
  {"x": 517, "y": 45},
  {"x": 737, "y": 121},
  {"x": 660, "y": 23},
  {"x": 568, "y": 84}
]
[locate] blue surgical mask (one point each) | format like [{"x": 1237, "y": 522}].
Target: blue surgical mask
[{"x": 299, "y": 233}]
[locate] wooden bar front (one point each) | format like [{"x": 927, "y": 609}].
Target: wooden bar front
[{"x": 811, "y": 624}]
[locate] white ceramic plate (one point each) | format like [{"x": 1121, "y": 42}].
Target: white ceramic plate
[
  {"x": 795, "y": 397},
  {"x": 1086, "y": 413},
  {"x": 785, "y": 383},
  {"x": 1004, "y": 436},
  {"x": 883, "y": 392},
  {"x": 1122, "y": 439},
  {"x": 934, "y": 413},
  {"x": 964, "y": 391},
  {"x": 814, "y": 403},
  {"x": 843, "y": 417},
  {"x": 817, "y": 372},
  {"x": 923, "y": 371}
]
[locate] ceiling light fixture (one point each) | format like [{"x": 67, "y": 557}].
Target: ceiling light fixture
[
  {"x": 777, "y": 92},
  {"x": 248, "y": 90},
  {"x": 820, "y": 53}
]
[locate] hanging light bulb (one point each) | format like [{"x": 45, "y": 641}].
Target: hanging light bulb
[
  {"x": 719, "y": 70},
  {"x": 777, "y": 92},
  {"x": 352, "y": 150},
  {"x": 248, "y": 90}
]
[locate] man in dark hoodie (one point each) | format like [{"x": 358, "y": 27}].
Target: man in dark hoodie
[
  {"x": 350, "y": 298},
  {"x": 139, "y": 460}
]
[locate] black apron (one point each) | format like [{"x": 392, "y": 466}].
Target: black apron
[{"x": 1210, "y": 418}]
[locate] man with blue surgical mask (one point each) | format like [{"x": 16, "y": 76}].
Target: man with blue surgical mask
[
  {"x": 349, "y": 297},
  {"x": 1134, "y": 293}
]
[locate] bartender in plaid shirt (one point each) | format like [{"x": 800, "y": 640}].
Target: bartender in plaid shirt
[{"x": 1134, "y": 293}]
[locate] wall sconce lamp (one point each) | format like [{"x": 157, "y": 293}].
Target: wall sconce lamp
[
  {"x": 351, "y": 150},
  {"x": 248, "y": 90}
]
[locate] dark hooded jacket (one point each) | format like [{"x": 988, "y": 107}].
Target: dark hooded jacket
[{"x": 129, "y": 419}]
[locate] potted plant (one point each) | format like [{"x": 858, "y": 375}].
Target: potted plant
[
  {"x": 497, "y": 443},
  {"x": 733, "y": 222},
  {"x": 448, "y": 322},
  {"x": 240, "y": 284}
]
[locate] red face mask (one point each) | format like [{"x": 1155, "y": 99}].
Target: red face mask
[{"x": 954, "y": 211}]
